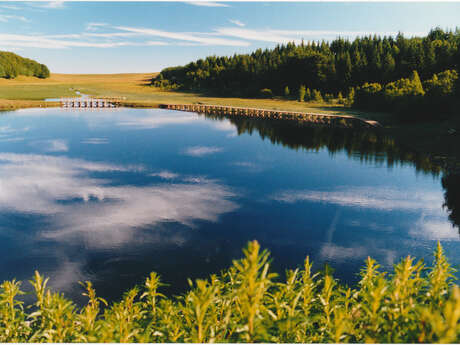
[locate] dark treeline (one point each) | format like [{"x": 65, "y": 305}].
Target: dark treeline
[
  {"x": 372, "y": 63},
  {"x": 12, "y": 65}
]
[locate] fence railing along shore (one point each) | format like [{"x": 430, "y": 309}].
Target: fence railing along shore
[{"x": 313, "y": 118}]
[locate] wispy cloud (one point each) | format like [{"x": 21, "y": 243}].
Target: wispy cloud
[
  {"x": 35, "y": 41},
  {"x": 200, "y": 151},
  {"x": 11, "y": 7},
  {"x": 236, "y": 22},
  {"x": 52, "y": 4},
  {"x": 7, "y": 17},
  {"x": 207, "y": 3},
  {"x": 201, "y": 38},
  {"x": 285, "y": 36},
  {"x": 95, "y": 26},
  {"x": 105, "y": 35}
]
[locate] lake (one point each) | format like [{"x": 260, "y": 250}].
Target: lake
[{"x": 111, "y": 195}]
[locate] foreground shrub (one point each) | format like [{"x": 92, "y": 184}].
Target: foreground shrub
[{"x": 246, "y": 304}]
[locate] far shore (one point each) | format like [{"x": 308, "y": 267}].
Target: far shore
[
  {"x": 437, "y": 137},
  {"x": 136, "y": 91}
]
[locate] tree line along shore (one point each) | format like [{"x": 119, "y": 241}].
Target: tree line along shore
[{"x": 407, "y": 76}]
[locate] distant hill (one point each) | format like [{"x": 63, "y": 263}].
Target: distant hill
[{"x": 12, "y": 65}]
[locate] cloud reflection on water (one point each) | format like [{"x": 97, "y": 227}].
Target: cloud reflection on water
[
  {"x": 431, "y": 222},
  {"x": 379, "y": 198},
  {"x": 200, "y": 151},
  {"x": 53, "y": 145},
  {"x": 135, "y": 119},
  {"x": 104, "y": 214}
]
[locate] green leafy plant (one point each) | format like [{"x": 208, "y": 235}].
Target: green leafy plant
[{"x": 246, "y": 303}]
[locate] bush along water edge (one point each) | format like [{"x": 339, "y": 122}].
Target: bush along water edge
[{"x": 246, "y": 303}]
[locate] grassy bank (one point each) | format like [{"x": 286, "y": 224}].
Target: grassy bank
[
  {"x": 8, "y": 104},
  {"x": 135, "y": 91},
  {"x": 247, "y": 304}
]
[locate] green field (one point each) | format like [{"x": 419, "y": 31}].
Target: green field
[{"x": 135, "y": 90}]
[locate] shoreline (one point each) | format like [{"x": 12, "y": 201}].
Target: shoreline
[{"x": 438, "y": 137}]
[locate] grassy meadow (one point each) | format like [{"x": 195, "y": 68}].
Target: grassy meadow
[{"x": 136, "y": 91}]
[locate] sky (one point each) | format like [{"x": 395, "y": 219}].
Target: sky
[{"x": 123, "y": 37}]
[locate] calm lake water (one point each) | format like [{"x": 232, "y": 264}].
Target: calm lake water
[{"x": 112, "y": 195}]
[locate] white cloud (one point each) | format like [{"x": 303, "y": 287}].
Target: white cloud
[
  {"x": 236, "y": 22},
  {"x": 207, "y": 3},
  {"x": 35, "y": 41},
  {"x": 201, "y": 38},
  {"x": 7, "y": 17},
  {"x": 12, "y": 140},
  {"x": 95, "y": 26},
  {"x": 87, "y": 35},
  {"x": 107, "y": 39},
  {"x": 285, "y": 36},
  {"x": 105, "y": 35},
  {"x": 200, "y": 151},
  {"x": 11, "y": 7},
  {"x": 8, "y": 130},
  {"x": 50, "y": 4}
]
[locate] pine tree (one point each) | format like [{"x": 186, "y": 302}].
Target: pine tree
[
  {"x": 350, "y": 97},
  {"x": 317, "y": 96},
  {"x": 389, "y": 65},
  {"x": 286, "y": 92},
  {"x": 308, "y": 95},
  {"x": 340, "y": 98},
  {"x": 302, "y": 93},
  {"x": 417, "y": 87}
]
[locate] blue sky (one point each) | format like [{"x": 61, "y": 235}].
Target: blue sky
[{"x": 119, "y": 37}]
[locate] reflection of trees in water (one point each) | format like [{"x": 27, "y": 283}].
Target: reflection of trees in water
[
  {"x": 365, "y": 145},
  {"x": 451, "y": 185}
]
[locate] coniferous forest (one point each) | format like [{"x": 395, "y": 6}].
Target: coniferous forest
[
  {"x": 398, "y": 74},
  {"x": 12, "y": 65}
]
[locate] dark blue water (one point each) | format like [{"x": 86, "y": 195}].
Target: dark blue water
[{"x": 110, "y": 196}]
